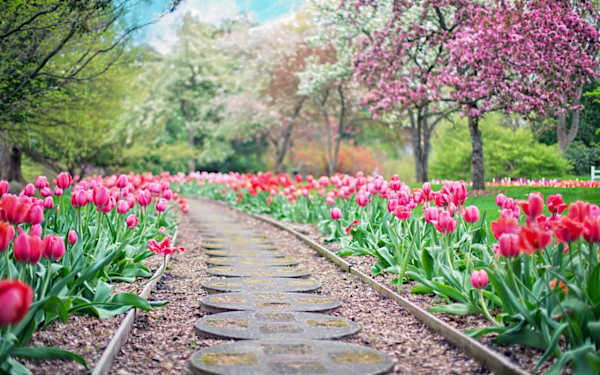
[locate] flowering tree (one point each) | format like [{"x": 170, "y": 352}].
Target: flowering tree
[{"x": 495, "y": 55}]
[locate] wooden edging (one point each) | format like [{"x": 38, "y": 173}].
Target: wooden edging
[
  {"x": 493, "y": 360},
  {"x": 119, "y": 338}
]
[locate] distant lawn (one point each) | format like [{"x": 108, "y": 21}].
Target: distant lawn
[{"x": 487, "y": 203}]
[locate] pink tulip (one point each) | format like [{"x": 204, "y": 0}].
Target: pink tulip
[
  {"x": 132, "y": 221},
  {"x": 122, "y": 181},
  {"x": 445, "y": 223},
  {"x": 54, "y": 247},
  {"x": 431, "y": 214},
  {"x": 144, "y": 198},
  {"x": 36, "y": 215},
  {"x": 509, "y": 245},
  {"x": 122, "y": 206},
  {"x": 100, "y": 196},
  {"x": 79, "y": 198},
  {"x": 64, "y": 180},
  {"x": 58, "y": 191},
  {"x": 161, "y": 205},
  {"x": 335, "y": 213},
  {"x": 15, "y": 299},
  {"x": 27, "y": 248},
  {"x": 48, "y": 203},
  {"x": 72, "y": 237},
  {"x": 36, "y": 230},
  {"x": 3, "y": 187},
  {"x": 402, "y": 212},
  {"x": 471, "y": 214},
  {"x": 29, "y": 190},
  {"x": 41, "y": 182},
  {"x": 479, "y": 279}
]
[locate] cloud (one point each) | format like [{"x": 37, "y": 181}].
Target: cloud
[{"x": 163, "y": 35}]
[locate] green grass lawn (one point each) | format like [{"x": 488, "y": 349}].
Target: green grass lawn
[{"x": 487, "y": 203}]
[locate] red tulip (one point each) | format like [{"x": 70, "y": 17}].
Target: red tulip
[
  {"x": 504, "y": 225},
  {"x": 64, "y": 180},
  {"x": 15, "y": 299},
  {"x": 534, "y": 205},
  {"x": 471, "y": 214},
  {"x": 164, "y": 247},
  {"x": 533, "y": 238},
  {"x": 335, "y": 213},
  {"x": 567, "y": 229},
  {"x": 54, "y": 247},
  {"x": 479, "y": 279},
  {"x": 7, "y": 233},
  {"x": 579, "y": 211},
  {"x": 13, "y": 209},
  {"x": 556, "y": 205},
  {"x": 132, "y": 221},
  {"x": 72, "y": 237},
  {"x": 27, "y": 248},
  {"x": 509, "y": 245},
  {"x": 591, "y": 229}
]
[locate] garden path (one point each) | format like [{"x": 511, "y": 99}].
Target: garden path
[{"x": 164, "y": 340}]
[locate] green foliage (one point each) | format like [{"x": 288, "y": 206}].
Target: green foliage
[
  {"x": 507, "y": 152},
  {"x": 582, "y": 157}
]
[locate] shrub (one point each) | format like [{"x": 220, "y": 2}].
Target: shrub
[
  {"x": 507, "y": 152},
  {"x": 582, "y": 157}
]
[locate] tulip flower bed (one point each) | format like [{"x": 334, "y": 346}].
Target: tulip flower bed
[
  {"x": 533, "y": 276},
  {"x": 65, "y": 249}
]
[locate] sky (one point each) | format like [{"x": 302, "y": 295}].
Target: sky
[{"x": 162, "y": 35}]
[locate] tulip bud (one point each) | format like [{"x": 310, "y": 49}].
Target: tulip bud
[
  {"x": 161, "y": 205},
  {"x": 132, "y": 221},
  {"x": 335, "y": 213},
  {"x": 72, "y": 237},
  {"x": 479, "y": 279},
  {"x": 58, "y": 191},
  {"x": 15, "y": 299}
]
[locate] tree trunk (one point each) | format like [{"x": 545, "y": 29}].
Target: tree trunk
[
  {"x": 10, "y": 162},
  {"x": 287, "y": 137},
  {"x": 418, "y": 125},
  {"x": 477, "y": 164},
  {"x": 565, "y": 137},
  {"x": 341, "y": 127}
]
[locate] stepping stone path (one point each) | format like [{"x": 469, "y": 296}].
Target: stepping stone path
[{"x": 263, "y": 286}]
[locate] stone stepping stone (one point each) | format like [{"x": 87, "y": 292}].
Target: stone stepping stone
[
  {"x": 250, "y": 271},
  {"x": 268, "y": 301},
  {"x": 216, "y": 245},
  {"x": 256, "y": 325},
  {"x": 276, "y": 357},
  {"x": 254, "y": 284},
  {"x": 245, "y": 253},
  {"x": 252, "y": 261}
]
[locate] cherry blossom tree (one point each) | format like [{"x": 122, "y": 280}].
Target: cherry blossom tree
[{"x": 518, "y": 56}]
